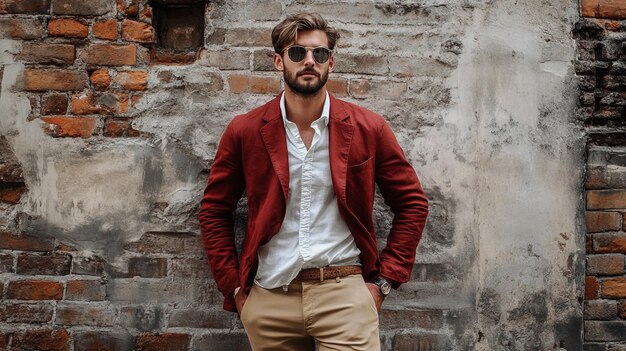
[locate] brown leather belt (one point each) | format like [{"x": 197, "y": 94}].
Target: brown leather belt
[{"x": 331, "y": 272}]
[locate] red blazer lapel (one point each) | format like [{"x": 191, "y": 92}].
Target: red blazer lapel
[
  {"x": 273, "y": 134},
  {"x": 340, "y": 138}
]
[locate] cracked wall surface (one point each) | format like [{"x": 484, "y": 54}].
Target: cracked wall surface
[{"x": 115, "y": 137}]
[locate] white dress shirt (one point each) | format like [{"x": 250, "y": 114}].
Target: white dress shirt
[{"x": 313, "y": 234}]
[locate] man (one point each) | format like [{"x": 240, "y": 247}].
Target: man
[{"x": 309, "y": 271}]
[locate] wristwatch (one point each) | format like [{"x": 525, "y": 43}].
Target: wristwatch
[{"x": 385, "y": 287}]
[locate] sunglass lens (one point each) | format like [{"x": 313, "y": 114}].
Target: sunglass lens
[
  {"x": 321, "y": 55},
  {"x": 296, "y": 53}
]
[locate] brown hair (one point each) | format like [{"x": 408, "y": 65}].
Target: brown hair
[{"x": 286, "y": 31}]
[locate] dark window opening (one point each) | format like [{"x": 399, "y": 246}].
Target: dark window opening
[{"x": 179, "y": 24}]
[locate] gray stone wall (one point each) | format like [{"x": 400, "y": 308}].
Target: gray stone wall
[{"x": 114, "y": 137}]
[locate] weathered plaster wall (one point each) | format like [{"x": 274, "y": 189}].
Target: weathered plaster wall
[{"x": 481, "y": 95}]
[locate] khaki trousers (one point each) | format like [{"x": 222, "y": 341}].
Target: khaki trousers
[{"x": 337, "y": 314}]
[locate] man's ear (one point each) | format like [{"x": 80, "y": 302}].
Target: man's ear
[
  {"x": 331, "y": 63},
  {"x": 278, "y": 62}
]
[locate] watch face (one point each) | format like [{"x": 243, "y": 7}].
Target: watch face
[{"x": 385, "y": 288}]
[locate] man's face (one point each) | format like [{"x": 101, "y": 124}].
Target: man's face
[{"x": 308, "y": 76}]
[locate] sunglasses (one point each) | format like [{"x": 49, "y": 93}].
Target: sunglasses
[{"x": 297, "y": 53}]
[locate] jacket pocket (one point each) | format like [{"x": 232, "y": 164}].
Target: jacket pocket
[{"x": 359, "y": 166}]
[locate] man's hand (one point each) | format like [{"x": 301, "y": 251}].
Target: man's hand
[
  {"x": 240, "y": 300},
  {"x": 376, "y": 294}
]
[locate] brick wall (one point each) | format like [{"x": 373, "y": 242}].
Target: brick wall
[
  {"x": 94, "y": 77},
  {"x": 600, "y": 62},
  {"x": 107, "y": 137}
]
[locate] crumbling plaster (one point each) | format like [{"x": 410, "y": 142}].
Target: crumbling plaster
[{"x": 491, "y": 132}]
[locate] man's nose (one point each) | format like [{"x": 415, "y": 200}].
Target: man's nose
[{"x": 309, "y": 60}]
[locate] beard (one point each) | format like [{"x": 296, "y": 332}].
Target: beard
[{"x": 307, "y": 88}]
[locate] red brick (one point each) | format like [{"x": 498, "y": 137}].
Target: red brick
[
  {"x": 21, "y": 28},
  {"x": 132, "y": 10},
  {"x": 239, "y": 83},
  {"x": 26, "y": 313},
  {"x": 602, "y": 221},
  {"x": 141, "y": 317},
  {"x": 362, "y": 88},
  {"x": 35, "y": 290},
  {"x": 339, "y": 87},
  {"x": 248, "y": 37},
  {"x": 30, "y": 7},
  {"x": 84, "y": 315},
  {"x": 10, "y": 168},
  {"x": 111, "y": 55},
  {"x": 54, "y": 104},
  {"x": 137, "y": 31},
  {"x": 589, "y": 244},
  {"x": 132, "y": 80},
  {"x": 600, "y": 310},
  {"x": 119, "y": 128},
  {"x": 613, "y": 26},
  {"x": 624, "y": 221},
  {"x": 589, "y": 8},
  {"x": 45, "y": 53},
  {"x": 106, "y": 29},
  {"x": 218, "y": 36},
  {"x": 222, "y": 340},
  {"x": 46, "y": 264},
  {"x": 147, "y": 267},
  {"x": 621, "y": 309},
  {"x": 105, "y": 103},
  {"x": 92, "y": 265},
  {"x": 609, "y": 264},
  {"x": 170, "y": 57},
  {"x": 606, "y": 199},
  {"x": 53, "y": 79},
  {"x": 73, "y": 127},
  {"x": 361, "y": 64},
  {"x": 102, "y": 341},
  {"x": 610, "y": 242},
  {"x": 4, "y": 340},
  {"x": 146, "y": 13},
  {"x": 162, "y": 342},
  {"x": 233, "y": 59},
  {"x": 70, "y": 28},
  {"x": 84, "y": 290},
  {"x": 264, "y": 85},
  {"x": 6, "y": 266},
  {"x": 10, "y": 173},
  {"x": 612, "y": 9},
  {"x": 359, "y": 87},
  {"x": 100, "y": 79},
  {"x": 591, "y": 288},
  {"x": 135, "y": 99},
  {"x": 614, "y": 288},
  {"x": 256, "y": 84},
  {"x": 13, "y": 193},
  {"x": 10, "y": 241},
  {"x": 601, "y": 177},
  {"x": 62, "y": 247},
  {"x": 42, "y": 339}
]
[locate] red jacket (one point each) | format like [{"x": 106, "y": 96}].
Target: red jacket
[{"x": 252, "y": 155}]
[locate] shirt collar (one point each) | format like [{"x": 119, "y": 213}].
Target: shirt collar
[{"x": 325, "y": 109}]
